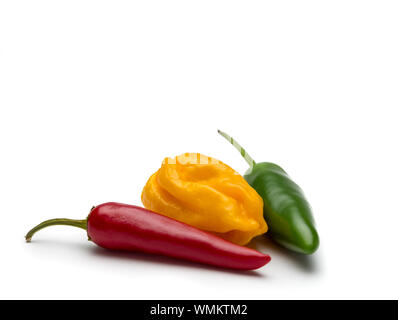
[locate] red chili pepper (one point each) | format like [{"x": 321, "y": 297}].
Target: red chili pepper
[{"x": 119, "y": 226}]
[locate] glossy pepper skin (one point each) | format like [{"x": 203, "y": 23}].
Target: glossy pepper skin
[
  {"x": 125, "y": 227},
  {"x": 206, "y": 193},
  {"x": 286, "y": 210}
]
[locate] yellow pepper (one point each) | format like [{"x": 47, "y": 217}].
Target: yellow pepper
[{"x": 207, "y": 194}]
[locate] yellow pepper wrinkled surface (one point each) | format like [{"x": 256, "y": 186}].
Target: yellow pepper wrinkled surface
[{"x": 207, "y": 194}]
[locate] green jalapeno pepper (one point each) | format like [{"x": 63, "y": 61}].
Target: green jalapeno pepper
[{"x": 286, "y": 211}]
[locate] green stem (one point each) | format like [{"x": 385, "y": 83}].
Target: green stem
[
  {"x": 56, "y": 222},
  {"x": 242, "y": 151}
]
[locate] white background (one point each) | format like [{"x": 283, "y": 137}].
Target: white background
[{"x": 94, "y": 94}]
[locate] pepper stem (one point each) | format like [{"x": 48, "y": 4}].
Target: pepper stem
[
  {"x": 242, "y": 151},
  {"x": 56, "y": 222}
]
